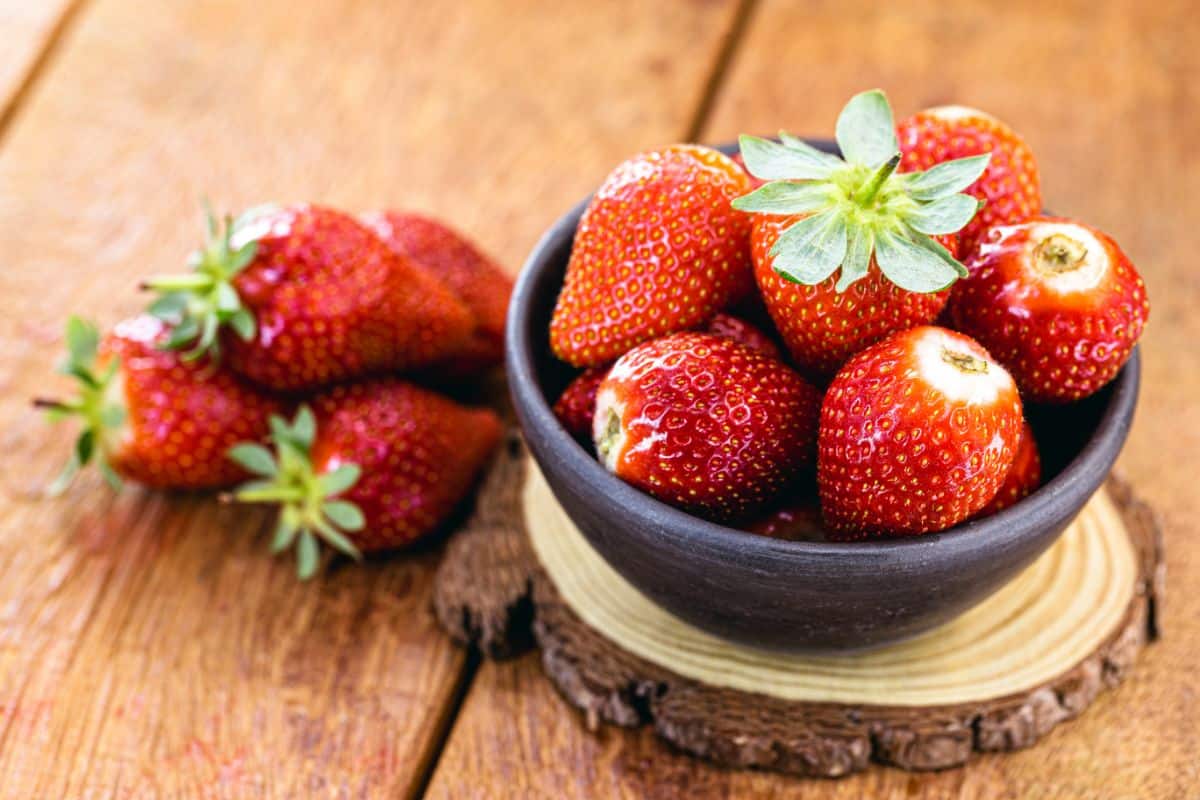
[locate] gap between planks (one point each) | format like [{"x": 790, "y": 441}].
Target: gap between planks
[{"x": 38, "y": 66}]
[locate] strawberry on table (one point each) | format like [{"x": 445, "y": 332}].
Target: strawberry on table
[
  {"x": 474, "y": 278},
  {"x": 658, "y": 250},
  {"x": 1024, "y": 476},
  {"x": 305, "y": 296},
  {"x": 918, "y": 433},
  {"x": 150, "y": 416},
  {"x": 372, "y": 466},
  {"x": 848, "y": 251},
  {"x": 576, "y": 406},
  {"x": 705, "y": 424},
  {"x": 1010, "y": 187},
  {"x": 1057, "y": 303}
]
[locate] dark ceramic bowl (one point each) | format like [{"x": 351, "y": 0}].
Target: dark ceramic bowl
[{"x": 797, "y": 596}]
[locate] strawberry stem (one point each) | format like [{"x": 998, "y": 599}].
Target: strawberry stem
[{"x": 866, "y": 194}]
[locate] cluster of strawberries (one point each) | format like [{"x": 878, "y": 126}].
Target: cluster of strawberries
[
  {"x": 919, "y": 294},
  {"x": 311, "y": 313}
]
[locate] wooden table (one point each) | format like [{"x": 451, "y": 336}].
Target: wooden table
[{"x": 149, "y": 647}]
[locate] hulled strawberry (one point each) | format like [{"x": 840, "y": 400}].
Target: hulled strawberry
[
  {"x": 1010, "y": 187},
  {"x": 1024, "y": 476},
  {"x": 304, "y": 296},
  {"x": 705, "y": 423},
  {"x": 658, "y": 250},
  {"x": 918, "y": 433},
  {"x": 576, "y": 406},
  {"x": 848, "y": 251},
  {"x": 473, "y": 277},
  {"x": 151, "y": 417},
  {"x": 1058, "y": 304},
  {"x": 373, "y": 466}
]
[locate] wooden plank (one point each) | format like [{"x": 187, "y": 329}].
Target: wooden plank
[
  {"x": 148, "y": 645},
  {"x": 1104, "y": 94},
  {"x": 28, "y": 31}
]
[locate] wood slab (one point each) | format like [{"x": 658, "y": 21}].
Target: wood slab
[
  {"x": 999, "y": 678},
  {"x": 149, "y": 646},
  {"x": 30, "y": 31}
]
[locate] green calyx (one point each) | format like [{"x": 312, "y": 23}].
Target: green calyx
[
  {"x": 199, "y": 303},
  {"x": 308, "y": 506},
  {"x": 858, "y": 206},
  {"x": 99, "y": 404}
]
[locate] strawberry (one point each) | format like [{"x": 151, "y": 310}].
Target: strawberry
[
  {"x": 1024, "y": 476},
  {"x": 305, "y": 296},
  {"x": 473, "y": 277},
  {"x": 372, "y": 466},
  {"x": 659, "y": 249},
  {"x": 1010, "y": 187},
  {"x": 796, "y": 521},
  {"x": 918, "y": 433},
  {"x": 848, "y": 251},
  {"x": 1057, "y": 302},
  {"x": 576, "y": 406},
  {"x": 705, "y": 423},
  {"x": 152, "y": 417}
]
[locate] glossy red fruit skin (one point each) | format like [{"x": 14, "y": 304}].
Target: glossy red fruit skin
[
  {"x": 181, "y": 417},
  {"x": 1059, "y": 347},
  {"x": 1010, "y": 186},
  {"x": 739, "y": 330},
  {"x": 576, "y": 406},
  {"x": 897, "y": 456},
  {"x": 420, "y": 454},
  {"x": 472, "y": 276},
  {"x": 1024, "y": 476},
  {"x": 711, "y": 426},
  {"x": 823, "y": 328},
  {"x": 658, "y": 250},
  {"x": 333, "y": 303}
]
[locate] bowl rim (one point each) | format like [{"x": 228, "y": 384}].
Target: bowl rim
[{"x": 1087, "y": 470}]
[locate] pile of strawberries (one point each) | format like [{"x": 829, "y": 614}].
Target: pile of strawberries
[
  {"x": 292, "y": 328},
  {"x": 919, "y": 296}
]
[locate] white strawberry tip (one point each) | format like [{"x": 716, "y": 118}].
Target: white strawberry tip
[
  {"x": 607, "y": 431},
  {"x": 1064, "y": 257},
  {"x": 953, "y": 113},
  {"x": 960, "y": 369}
]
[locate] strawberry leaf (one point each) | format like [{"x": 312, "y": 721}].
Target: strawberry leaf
[
  {"x": 770, "y": 160},
  {"x": 811, "y": 249},
  {"x": 339, "y": 480},
  {"x": 82, "y": 341},
  {"x": 337, "y": 539},
  {"x": 307, "y": 555},
  {"x": 286, "y": 529},
  {"x": 912, "y": 266},
  {"x": 858, "y": 257},
  {"x": 242, "y": 322},
  {"x": 304, "y": 427},
  {"x": 946, "y": 215},
  {"x": 784, "y": 197},
  {"x": 344, "y": 514},
  {"x": 946, "y": 178},
  {"x": 866, "y": 131},
  {"x": 255, "y": 459}
]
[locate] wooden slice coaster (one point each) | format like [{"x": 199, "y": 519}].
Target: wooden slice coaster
[{"x": 998, "y": 678}]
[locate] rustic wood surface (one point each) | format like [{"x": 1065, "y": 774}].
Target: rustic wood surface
[{"x": 149, "y": 648}]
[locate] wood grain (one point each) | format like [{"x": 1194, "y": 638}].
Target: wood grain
[
  {"x": 1106, "y": 95},
  {"x": 28, "y": 30},
  {"x": 148, "y": 645}
]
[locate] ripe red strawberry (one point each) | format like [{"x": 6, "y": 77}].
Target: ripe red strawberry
[
  {"x": 658, "y": 250},
  {"x": 1010, "y": 187},
  {"x": 305, "y": 296},
  {"x": 705, "y": 424},
  {"x": 1024, "y": 476},
  {"x": 798, "y": 521},
  {"x": 473, "y": 277},
  {"x": 1057, "y": 303},
  {"x": 847, "y": 251},
  {"x": 152, "y": 417},
  {"x": 823, "y": 326},
  {"x": 918, "y": 433},
  {"x": 576, "y": 406},
  {"x": 377, "y": 466}
]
